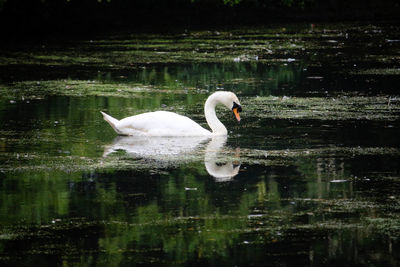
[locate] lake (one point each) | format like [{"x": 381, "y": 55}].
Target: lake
[{"x": 310, "y": 176}]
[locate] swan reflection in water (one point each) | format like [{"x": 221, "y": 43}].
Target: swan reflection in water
[{"x": 176, "y": 149}]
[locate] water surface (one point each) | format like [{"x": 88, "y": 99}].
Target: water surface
[{"x": 310, "y": 176}]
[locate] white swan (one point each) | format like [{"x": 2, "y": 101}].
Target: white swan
[{"x": 164, "y": 123}]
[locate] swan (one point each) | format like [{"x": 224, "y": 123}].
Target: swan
[{"x": 165, "y": 123}]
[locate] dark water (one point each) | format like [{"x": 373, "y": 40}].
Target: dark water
[{"x": 301, "y": 190}]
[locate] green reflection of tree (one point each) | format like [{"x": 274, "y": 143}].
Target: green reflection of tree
[
  {"x": 34, "y": 197},
  {"x": 183, "y": 223},
  {"x": 319, "y": 172},
  {"x": 245, "y": 77},
  {"x": 182, "y": 216}
]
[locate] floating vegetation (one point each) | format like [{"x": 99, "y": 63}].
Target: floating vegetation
[
  {"x": 261, "y": 44},
  {"x": 387, "y": 71},
  {"x": 120, "y": 160},
  {"x": 41, "y": 89},
  {"x": 285, "y": 157},
  {"x": 325, "y": 108}
]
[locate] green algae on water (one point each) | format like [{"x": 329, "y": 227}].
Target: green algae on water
[{"x": 325, "y": 108}]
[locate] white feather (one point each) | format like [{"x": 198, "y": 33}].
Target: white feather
[{"x": 164, "y": 123}]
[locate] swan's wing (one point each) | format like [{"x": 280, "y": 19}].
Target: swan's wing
[{"x": 161, "y": 123}]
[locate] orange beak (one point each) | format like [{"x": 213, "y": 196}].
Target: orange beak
[{"x": 236, "y": 112}]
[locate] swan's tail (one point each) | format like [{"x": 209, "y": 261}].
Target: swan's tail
[{"x": 112, "y": 121}]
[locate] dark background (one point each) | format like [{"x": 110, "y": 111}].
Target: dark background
[{"x": 36, "y": 19}]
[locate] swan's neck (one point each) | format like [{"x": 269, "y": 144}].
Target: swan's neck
[{"x": 216, "y": 126}]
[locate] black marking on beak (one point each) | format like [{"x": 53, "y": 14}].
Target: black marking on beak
[{"x": 239, "y": 107}]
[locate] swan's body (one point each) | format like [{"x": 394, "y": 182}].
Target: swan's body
[
  {"x": 158, "y": 123},
  {"x": 164, "y": 123}
]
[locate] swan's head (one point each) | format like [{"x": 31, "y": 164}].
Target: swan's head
[{"x": 230, "y": 100}]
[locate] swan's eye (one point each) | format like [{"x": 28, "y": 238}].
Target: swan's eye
[{"x": 239, "y": 107}]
